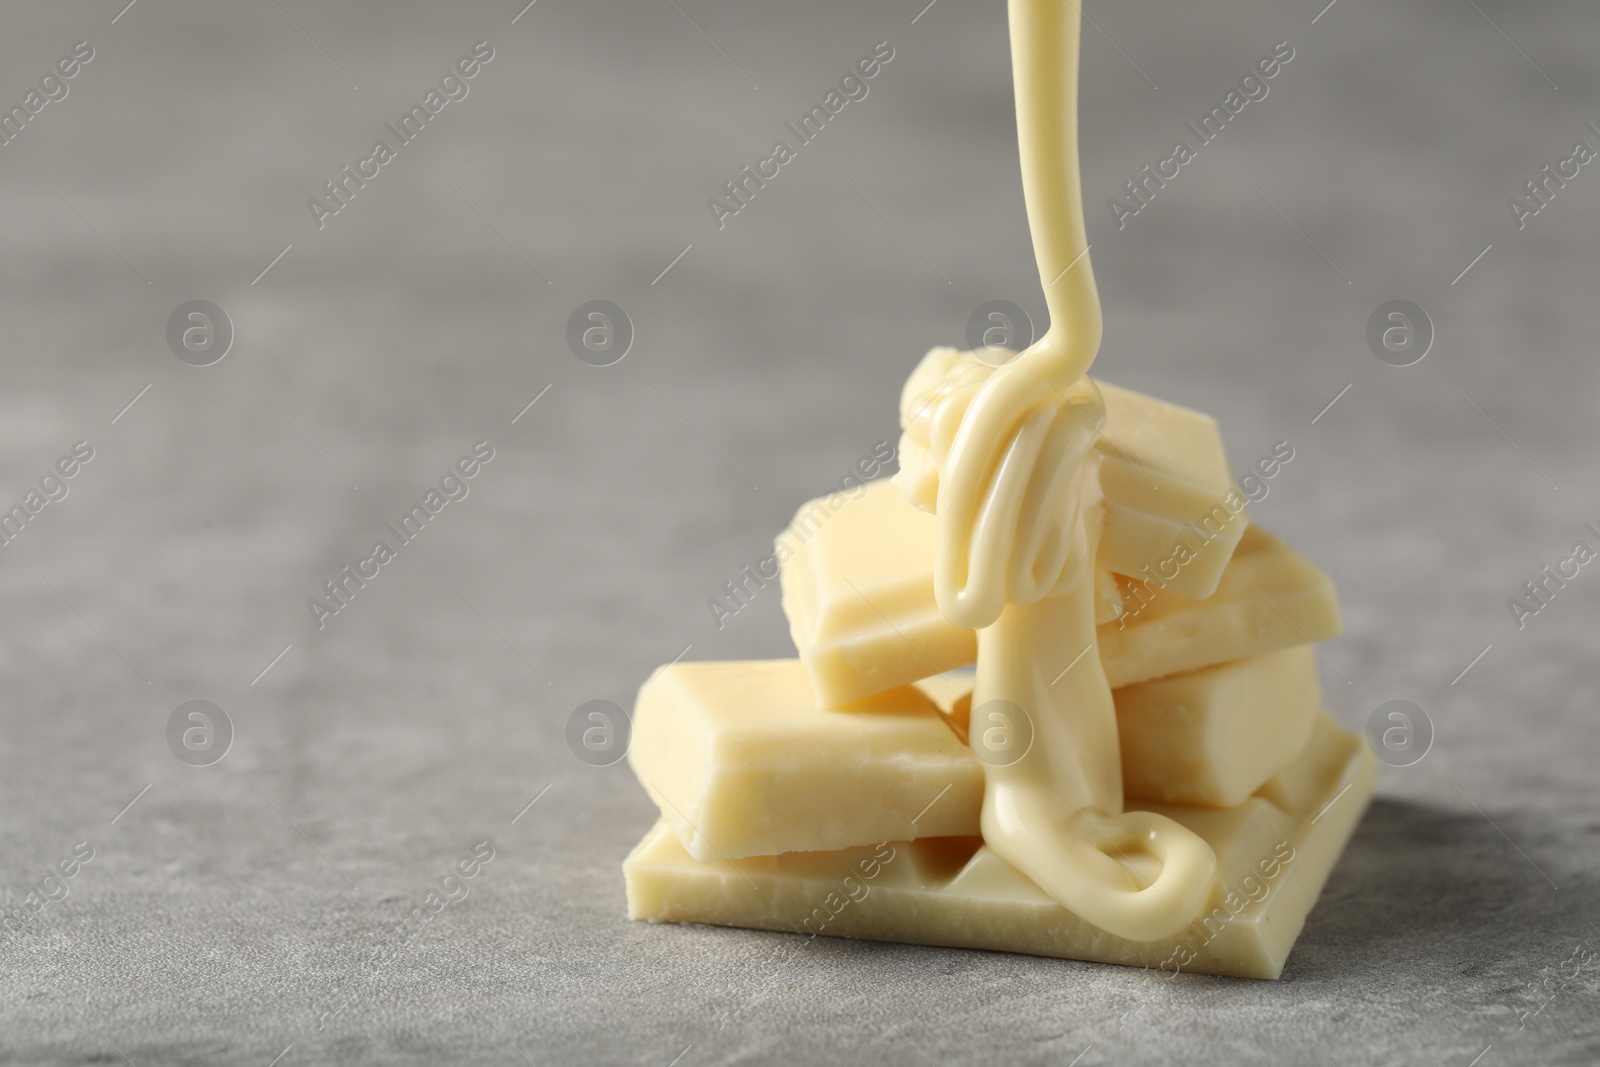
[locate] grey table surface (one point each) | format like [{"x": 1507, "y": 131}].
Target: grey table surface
[{"x": 254, "y": 908}]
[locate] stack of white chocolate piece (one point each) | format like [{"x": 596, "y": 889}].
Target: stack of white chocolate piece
[{"x": 836, "y": 793}]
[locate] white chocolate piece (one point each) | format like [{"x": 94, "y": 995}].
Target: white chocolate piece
[
  {"x": 742, "y": 763},
  {"x": 1270, "y": 597},
  {"x": 1212, "y": 737},
  {"x": 857, "y": 578},
  {"x": 858, "y": 591},
  {"x": 953, "y": 892},
  {"x": 1172, "y": 510}
]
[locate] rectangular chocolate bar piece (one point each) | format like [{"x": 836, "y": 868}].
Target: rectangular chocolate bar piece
[
  {"x": 857, "y": 575},
  {"x": 1270, "y": 597},
  {"x": 1171, "y": 508},
  {"x": 742, "y": 762},
  {"x": 1214, "y": 736}
]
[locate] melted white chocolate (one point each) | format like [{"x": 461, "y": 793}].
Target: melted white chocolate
[{"x": 1018, "y": 508}]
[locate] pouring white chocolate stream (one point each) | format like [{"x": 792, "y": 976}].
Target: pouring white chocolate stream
[{"x": 1014, "y": 487}]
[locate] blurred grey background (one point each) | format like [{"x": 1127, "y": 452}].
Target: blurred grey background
[{"x": 254, "y": 908}]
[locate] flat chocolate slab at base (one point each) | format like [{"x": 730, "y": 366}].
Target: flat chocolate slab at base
[{"x": 953, "y": 892}]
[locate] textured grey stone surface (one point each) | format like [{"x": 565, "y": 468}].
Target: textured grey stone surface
[{"x": 253, "y": 908}]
